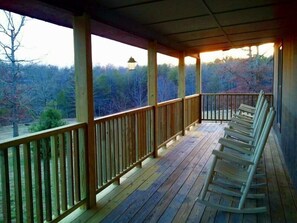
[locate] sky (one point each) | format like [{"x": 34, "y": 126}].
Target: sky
[
  {"x": 264, "y": 49},
  {"x": 51, "y": 44},
  {"x": 47, "y": 43}
]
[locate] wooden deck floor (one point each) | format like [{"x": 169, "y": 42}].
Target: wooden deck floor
[{"x": 164, "y": 189}]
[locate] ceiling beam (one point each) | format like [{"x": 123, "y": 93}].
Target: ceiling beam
[
  {"x": 135, "y": 4},
  {"x": 217, "y": 22}
]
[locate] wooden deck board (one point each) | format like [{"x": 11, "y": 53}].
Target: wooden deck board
[{"x": 165, "y": 189}]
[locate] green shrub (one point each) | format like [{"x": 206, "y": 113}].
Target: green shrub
[{"x": 49, "y": 118}]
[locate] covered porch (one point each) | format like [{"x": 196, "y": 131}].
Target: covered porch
[
  {"x": 64, "y": 174},
  {"x": 165, "y": 188}
]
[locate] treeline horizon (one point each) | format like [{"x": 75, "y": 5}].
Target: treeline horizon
[{"x": 117, "y": 89}]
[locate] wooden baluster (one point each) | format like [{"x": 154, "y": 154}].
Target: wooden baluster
[
  {"x": 133, "y": 133},
  {"x": 55, "y": 175},
  {"x": 215, "y": 107},
  {"x": 187, "y": 114},
  {"x": 212, "y": 107},
  {"x": 192, "y": 112},
  {"x": 161, "y": 128},
  {"x": 227, "y": 110},
  {"x": 108, "y": 151},
  {"x": 203, "y": 107},
  {"x": 158, "y": 125},
  {"x": 153, "y": 137},
  {"x": 148, "y": 132},
  {"x": 163, "y": 120},
  {"x": 28, "y": 182},
  {"x": 235, "y": 107},
  {"x": 116, "y": 145},
  {"x": 17, "y": 184},
  {"x": 137, "y": 136},
  {"x": 144, "y": 133},
  {"x": 171, "y": 111},
  {"x": 140, "y": 135},
  {"x": 120, "y": 133},
  {"x": 112, "y": 150},
  {"x": 129, "y": 148},
  {"x": 124, "y": 142},
  {"x": 69, "y": 161},
  {"x": 219, "y": 106},
  {"x": 83, "y": 160},
  {"x": 188, "y": 111},
  {"x": 5, "y": 185},
  {"x": 131, "y": 136},
  {"x": 38, "y": 180},
  {"x": 98, "y": 155},
  {"x": 47, "y": 179},
  {"x": 200, "y": 108},
  {"x": 116, "y": 148},
  {"x": 104, "y": 156},
  {"x": 180, "y": 112},
  {"x": 96, "y": 144},
  {"x": 207, "y": 106},
  {"x": 127, "y": 142},
  {"x": 63, "y": 172},
  {"x": 76, "y": 166}
]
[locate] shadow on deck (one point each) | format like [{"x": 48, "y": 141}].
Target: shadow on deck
[{"x": 164, "y": 189}]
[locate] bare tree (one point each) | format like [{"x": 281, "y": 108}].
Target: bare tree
[{"x": 10, "y": 30}]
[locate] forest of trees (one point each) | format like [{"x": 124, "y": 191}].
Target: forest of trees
[
  {"x": 115, "y": 89},
  {"x": 118, "y": 89},
  {"x": 230, "y": 75}
]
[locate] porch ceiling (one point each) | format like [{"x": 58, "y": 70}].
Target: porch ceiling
[{"x": 192, "y": 26}]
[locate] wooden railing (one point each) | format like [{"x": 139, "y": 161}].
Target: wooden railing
[
  {"x": 192, "y": 109},
  {"x": 169, "y": 123},
  {"x": 43, "y": 175},
  {"x": 220, "y": 107},
  {"x": 123, "y": 141}
]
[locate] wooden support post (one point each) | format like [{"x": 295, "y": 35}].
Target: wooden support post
[
  {"x": 84, "y": 98},
  {"x": 181, "y": 88},
  {"x": 198, "y": 76},
  {"x": 117, "y": 181},
  {"x": 153, "y": 89},
  {"x": 139, "y": 165},
  {"x": 198, "y": 87}
]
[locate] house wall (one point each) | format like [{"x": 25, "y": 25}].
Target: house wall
[{"x": 287, "y": 129}]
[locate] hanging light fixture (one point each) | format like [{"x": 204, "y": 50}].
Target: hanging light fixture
[{"x": 131, "y": 63}]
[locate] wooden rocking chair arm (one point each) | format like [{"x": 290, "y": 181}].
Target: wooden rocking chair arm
[
  {"x": 238, "y": 135},
  {"x": 236, "y": 145},
  {"x": 231, "y": 157}
]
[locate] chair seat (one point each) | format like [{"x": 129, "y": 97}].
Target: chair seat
[{"x": 232, "y": 172}]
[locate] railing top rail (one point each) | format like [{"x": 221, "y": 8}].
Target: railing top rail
[
  {"x": 164, "y": 103},
  {"x": 11, "y": 142},
  {"x": 123, "y": 113},
  {"x": 236, "y": 94},
  {"x": 192, "y": 96}
]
